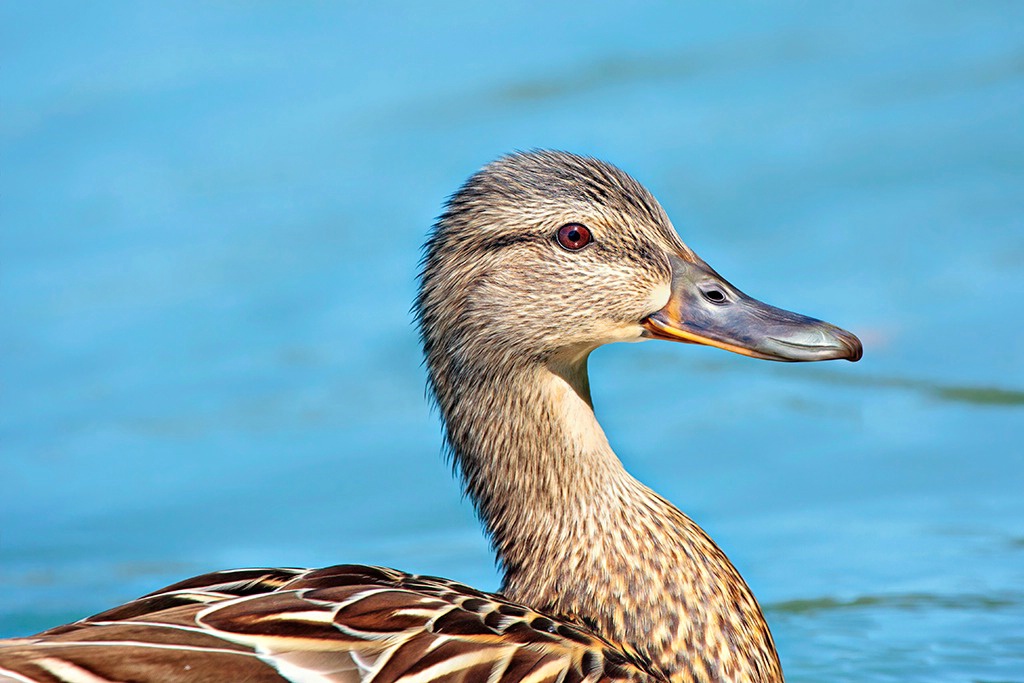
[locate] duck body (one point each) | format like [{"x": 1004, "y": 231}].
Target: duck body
[
  {"x": 343, "y": 623},
  {"x": 539, "y": 259}
]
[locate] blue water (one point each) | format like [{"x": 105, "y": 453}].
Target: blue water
[{"x": 211, "y": 217}]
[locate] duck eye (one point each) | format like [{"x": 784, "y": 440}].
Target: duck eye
[{"x": 574, "y": 236}]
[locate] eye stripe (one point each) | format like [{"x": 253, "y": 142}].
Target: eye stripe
[{"x": 503, "y": 241}]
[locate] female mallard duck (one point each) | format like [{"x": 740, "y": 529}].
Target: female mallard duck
[{"x": 539, "y": 259}]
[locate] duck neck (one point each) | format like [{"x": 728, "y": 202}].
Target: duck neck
[{"x": 580, "y": 538}]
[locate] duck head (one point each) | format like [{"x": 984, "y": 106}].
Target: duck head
[{"x": 546, "y": 254}]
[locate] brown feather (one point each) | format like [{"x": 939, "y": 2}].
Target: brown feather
[{"x": 336, "y": 622}]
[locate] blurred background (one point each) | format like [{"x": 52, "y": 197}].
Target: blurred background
[{"x": 211, "y": 220}]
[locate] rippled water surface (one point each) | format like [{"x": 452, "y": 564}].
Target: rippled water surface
[{"x": 211, "y": 218}]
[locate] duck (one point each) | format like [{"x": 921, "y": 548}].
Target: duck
[{"x": 537, "y": 260}]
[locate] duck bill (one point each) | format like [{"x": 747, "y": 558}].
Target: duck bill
[{"x": 705, "y": 309}]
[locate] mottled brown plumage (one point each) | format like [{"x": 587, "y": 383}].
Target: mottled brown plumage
[
  {"x": 604, "y": 580},
  {"x": 507, "y": 334},
  {"x": 342, "y": 624}
]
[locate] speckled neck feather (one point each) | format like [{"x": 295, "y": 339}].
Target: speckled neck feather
[{"x": 575, "y": 534}]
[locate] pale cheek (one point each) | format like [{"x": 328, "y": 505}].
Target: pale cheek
[
  {"x": 625, "y": 333},
  {"x": 660, "y": 296},
  {"x": 656, "y": 300}
]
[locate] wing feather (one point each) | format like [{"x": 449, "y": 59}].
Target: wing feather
[{"x": 344, "y": 624}]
